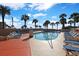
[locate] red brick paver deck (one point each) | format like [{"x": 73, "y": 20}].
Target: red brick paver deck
[{"x": 15, "y": 47}]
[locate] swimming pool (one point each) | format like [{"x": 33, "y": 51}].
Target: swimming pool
[{"x": 45, "y": 35}]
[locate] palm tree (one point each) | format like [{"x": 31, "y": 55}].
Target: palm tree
[
  {"x": 57, "y": 24},
  {"x": 39, "y": 26},
  {"x": 52, "y": 24},
  {"x": 75, "y": 17},
  {"x": 46, "y": 23},
  {"x": 63, "y": 19},
  {"x": 3, "y": 11},
  {"x": 70, "y": 22},
  {"x": 35, "y": 21},
  {"x": 36, "y": 26},
  {"x": 25, "y": 18}
]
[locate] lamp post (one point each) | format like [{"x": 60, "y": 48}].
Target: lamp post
[{"x": 12, "y": 23}]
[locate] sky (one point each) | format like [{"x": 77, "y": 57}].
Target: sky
[{"x": 39, "y": 11}]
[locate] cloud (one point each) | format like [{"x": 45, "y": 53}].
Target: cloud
[
  {"x": 53, "y": 21},
  {"x": 39, "y": 14},
  {"x": 44, "y": 6},
  {"x": 15, "y": 6},
  {"x": 66, "y": 24},
  {"x": 54, "y": 17},
  {"x": 29, "y": 14},
  {"x": 32, "y": 5},
  {"x": 68, "y": 4},
  {"x": 36, "y": 6},
  {"x": 16, "y": 19},
  {"x": 41, "y": 6},
  {"x": 77, "y": 24},
  {"x": 68, "y": 20},
  {"x": 29, "y": 23}
]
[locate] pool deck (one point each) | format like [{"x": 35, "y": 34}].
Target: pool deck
[
  {"x": 15, "y": 47},
  {"x": 18, "y": 47},
  {"x": 42, "y": 48}
]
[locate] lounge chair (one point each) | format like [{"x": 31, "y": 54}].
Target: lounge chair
[
  {"x": 71, "y": 49},
  {"x": 74, "y": 34},
  {"x": 72, "y": 42},
  {"x": 14, "y": 35},
  {"x": 71, "y": 39}
]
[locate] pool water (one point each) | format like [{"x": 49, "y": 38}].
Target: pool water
[{"x": 45, "y": 35}]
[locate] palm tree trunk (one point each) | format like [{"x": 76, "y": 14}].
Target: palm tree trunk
[
  {"x": 63, "y": 26},
  {"x": 35, "y": 25},
  {"x": 74, "y": 24},
  {"x": 47, "y": 26},
  {"x": 3, "y": 21},
  {"x": 12, "y": 23},
  {"x": 25, "y": 24}
]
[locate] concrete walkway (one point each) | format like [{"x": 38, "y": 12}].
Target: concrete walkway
[
  {"x": 42, "y": 48},
  {"x": 15, "y": 47}
]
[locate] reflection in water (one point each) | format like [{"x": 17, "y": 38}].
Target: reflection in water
[
  {"x": 45, "y": 35},
  {"x": 49, "y": 35}
]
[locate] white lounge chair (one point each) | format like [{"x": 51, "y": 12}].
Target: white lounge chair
[{"x": 15, "y": 34}]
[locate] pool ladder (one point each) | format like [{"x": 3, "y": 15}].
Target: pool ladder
[{"x": 50, "y": 43}]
